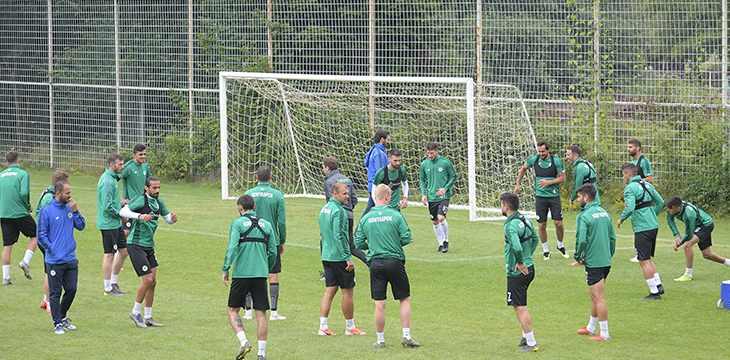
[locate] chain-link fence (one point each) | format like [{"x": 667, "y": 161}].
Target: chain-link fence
[{"x": 81, "y": 79}]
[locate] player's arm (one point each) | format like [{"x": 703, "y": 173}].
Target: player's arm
[
  {"x": 361, "y": 242},
  {"x": 404, "y": 184},
  {"x": 281, "y": 211},
  {"x": 42, "y": 233},
  {"x": 646, "y": 168},
  {"x": 561, "y": 172},
  {"x": 658, "y": 200},
  {"x": 78, "y": 219},
  {"x": 271, "y": 249},
  {"x": 581, "y": 234},
  {"x": 611, "y": 236},
  {"x": 451, "y": 172},
  {"x": 327, "y": 191},
  {"x": 110, "y": 197},
  {"x": 340, "y": 239},
  {"x": 578, "y": 173},
  {"x": 673, "y": 226},
  {"x": 689, "y": 224},
  {"x": 630, "y": 203},
  {"x": 353, "y": 195},
  {"x": 234, "y": 235},
  {"x": 25, "y": 191},
  {"x": 422, "y": 181},
  {"x": 514, "y": 243},
  {"x": 405, "y": 231},
  {"x": 520, "y": 175}
]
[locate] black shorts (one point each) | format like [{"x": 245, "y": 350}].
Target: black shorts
[
  {"x": 11, "y": 229},
  {"x": 336, "y": 275},
  {"x": 143, "y": 258},
  {"x": 127, "y": 225},
  {"x": 595, "y": 275},
  {"x": 543, "y": 204},
  {"x": 113, "y": 240},
  {"x": 645, "y": 243},
  {"x": 517, "y": 287},
  {"x": 393, "y": 271},
  {"x": 438, "y": 208},
  {"x": 704, "y": 233},
  {"x": 277, "y": 266},
  {"x": 242, "y": 286}
]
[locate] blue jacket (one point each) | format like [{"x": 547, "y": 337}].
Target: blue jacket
[
  {"x": 374, "y": 161},
  {"x": 55, "y": 231}
]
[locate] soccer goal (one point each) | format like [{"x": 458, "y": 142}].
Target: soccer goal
[{"x": 290, "y": 122}]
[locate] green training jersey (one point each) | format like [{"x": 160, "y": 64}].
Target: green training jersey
[
  {"x": 435, "y": 175},
  {"x": 133, "y": 177},
  {"x": 644, "y": 166},
  {"x": 546, "y": 169},
  {"x": 393, "y": 183},
  {"x": 638, "y": 196},
  {"x": 520, "y": 242},
  {"x": 333, "y": 229},
  {"x": 270, "y": 206},
  {"x": 142, "y": 233},
  {"x": 107, "y": 201},
  {"x": 595, "y": 238},
  {"x": 45, "y": 198},
  {"x": 384, "y": 232},
  {"x": 584, "y": 173},
  {"x": 688, "y": 215},
  {"x": 251, "y": 252},
  {"x": 14, "y": 193}
]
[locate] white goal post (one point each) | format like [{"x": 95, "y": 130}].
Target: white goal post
[{"x": 290, "y": 122}]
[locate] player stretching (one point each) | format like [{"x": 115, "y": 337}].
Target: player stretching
[
  {"x": 698, "y": 228},
  {"x": 583, "y": 172},
  {"x": 549, "y": 173},
  {"x": 520, "y": 242},
  {"x": 339, "y": 270},
  {"x": 270, "y": 207},
  {"x": 144, "y": 211},
  {"x": 437, "y": 176},
  {"x": 384, "y": 232},
  {"x": 639, "y": 196},
  {"x": 252, "y": 253},
  {"x": 133, "y": 177},
  {"x": 595, "y": 244},
  {"x": 396, "y": 178}
]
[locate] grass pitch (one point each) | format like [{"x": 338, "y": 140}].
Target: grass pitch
[{"x": 458, "y": 299}]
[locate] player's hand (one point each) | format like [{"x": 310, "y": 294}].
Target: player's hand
[
  {"x": 145, "y": 218},
  {"x": 440, "y": 192},
  {"x": 404, "y": 203},
  {"x": 618, "y": 223},
  {"x": 225, "y": 279},
  {"x": 281, "y": 249},
  {"x": 522, "y": 268},
  {"x": 424, "y": 200},
  {"x": 517, "y": 189},
  {"x": 677, "y": 243},
  {"x": 125, "y": 201},
  {"x": 73, "y": 205},
  {"x": 543, "y": 183},
  {"x": 350, "y": 265},
  {"x": 173, "y": 217}
]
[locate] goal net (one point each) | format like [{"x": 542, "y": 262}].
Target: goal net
[{"x": 291, "y": 122}]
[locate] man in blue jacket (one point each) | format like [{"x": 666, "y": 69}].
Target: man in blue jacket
[
  {"x": 56, "y": 223},
  {"x": 375, "y": 159}
]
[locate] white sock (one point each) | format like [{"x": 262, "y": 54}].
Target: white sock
[
  {"x": 6, "y": 271},
  {"x": 114, "y": 278},
  {"x": 688, "y": 271},
  {"x": 323, "y": 323},
  {"x": 657, "y": 280},
  {"x": 604, "y": 329},
  {"x": 545, "y": 249},
  {"x": 45, "y": 299},
  {"x": 350, "y": 324},
  {"x": 523, "y": 333},
  {"x": 274, "y": 313},
  {"x": 381, "y": 337},
  {"x": 727, "y": 262},
  {"x": 107, "y": 285},
  {"x": 28, "y": 256},
  {"x": 249, "y": 312},
  {"x": 530, "y": 337},
  {"x": 262, "y": 347},
  {"x": 592, "y": 324},
  {"x": 445, "y": 230},
  {"x": 560, "y": 244},
  {"x": 439, "y": 234},
  {"x": 407, "y": 333},
  {"x": 242, "y": 337},
  {"x": 147, "y": 312},
  {"x": 137, "y": 308},
  {"x": 652, "y": 286}
]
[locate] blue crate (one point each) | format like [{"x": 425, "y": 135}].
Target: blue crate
[{"x": 725, "y": 294}]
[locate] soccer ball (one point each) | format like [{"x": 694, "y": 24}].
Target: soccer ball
[{"x": 719, "y": 303}]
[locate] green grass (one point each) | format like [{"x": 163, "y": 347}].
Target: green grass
[{"x": 458, "y": 299}]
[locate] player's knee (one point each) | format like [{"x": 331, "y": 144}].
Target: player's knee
[
  {"x": 542, "y": 225},
  {"x": 558, "y": 223},
  {"x": 442, "y": 218},
  {"x": 436, "y": 222},
  {"x": 707, "y": 255}
]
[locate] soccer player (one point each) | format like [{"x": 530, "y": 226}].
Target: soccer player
[
  {"x": 56, "y": 223},
  {"x": 270, "y": 207},
  {"x": 144, "y": 212},
  {"x": 133, "y": 178},
  {"x": 333, "y": 176},
  {"x": 595, "y": 244},
  {"x": 639, "y": 196},
  {"x": 15, "y": 215},
  {"x": 583, "y": 172},
  {"x": 396, "y": 177},
  {"x": 549, "y": 173},
  {"x": 252, "y": 252},
  {"x": 339, "y": 270},
  {"x": 375, "y": 159},
  {"x": 698, "y": 228},
  {"x": 520, "y": 242},
  {"x": 384, "y": 232},
  {"x": 643, "y": 167},
  {"x": 108, "y": 221},
  {"x": 437, "y": 176},
  {"x": 46, "y": 196}
]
